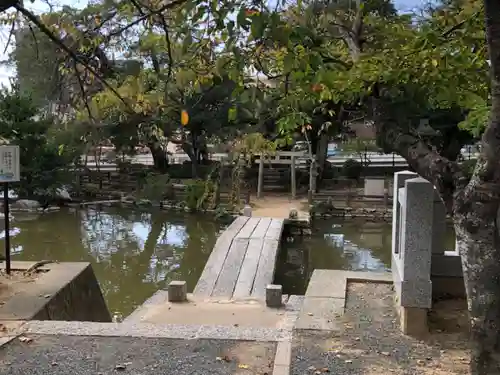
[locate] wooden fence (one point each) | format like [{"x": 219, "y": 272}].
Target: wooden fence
[
  {"x": 102, "y": 183},
  {"x": 179, "y": 193}
]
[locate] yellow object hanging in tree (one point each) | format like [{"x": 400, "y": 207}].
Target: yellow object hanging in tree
[{"x": 184, "y": 117}]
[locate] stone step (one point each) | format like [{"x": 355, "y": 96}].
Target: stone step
[
  {"x": 247, "y": 312},
  {"x": 325, "y": 297},
  {"x": 274, "y": 187}
]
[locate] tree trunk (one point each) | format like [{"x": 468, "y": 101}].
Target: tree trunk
[
  {"x": 476, "y": 219},
  {"x": 477, "y": 231},
  {"x": 321, "y": 155},
  {"x": 191, "y": 152},
  {"x": 160, "y": 159}
]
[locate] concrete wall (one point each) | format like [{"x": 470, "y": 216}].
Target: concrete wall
[{"x": 63, "y": 291}]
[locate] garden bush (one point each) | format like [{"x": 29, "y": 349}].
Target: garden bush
[{"x": 352, "y": 169}]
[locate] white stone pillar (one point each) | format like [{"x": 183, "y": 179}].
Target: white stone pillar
[
  {"x": 412, "y": 274},
  {"x": 399, "y": 182},
  {"x": 416, "y": 237},
  {"x": 260, "y": 180}
]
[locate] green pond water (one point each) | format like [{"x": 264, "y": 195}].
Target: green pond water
[
  {"x": 354, "y": 245},
  {"x": 135, "y": 253}
]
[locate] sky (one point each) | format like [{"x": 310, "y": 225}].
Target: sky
[{"x": 39, "y": 6}]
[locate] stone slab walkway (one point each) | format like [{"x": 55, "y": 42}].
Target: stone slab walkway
[
  {"x": 199, "y": 311},
  {"x": 367, "y": 340},
  {"x": 87, "y": 355}
]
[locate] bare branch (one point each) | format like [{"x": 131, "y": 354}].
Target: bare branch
[
  {"x": 11, "y": 33},
  {"x": 82, "y": 90},
  {"x": 170, "y": 5},
  {"x": 34, "y": 19}
]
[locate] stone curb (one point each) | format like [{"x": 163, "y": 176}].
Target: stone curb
[
  {"x": 172, "y": 331},
  {"x": 6, "y": 339}
]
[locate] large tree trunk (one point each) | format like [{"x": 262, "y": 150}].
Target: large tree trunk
[
  {"x": 193, "y": 156},
  {"x": 476, "y": 227},
  {"x": 321, "y": 155},
  {"x": 476, "y": 222},
  {"x": 160, "y": 159}
]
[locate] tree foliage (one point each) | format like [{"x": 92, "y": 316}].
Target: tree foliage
[{"x": 44, "y": 161}]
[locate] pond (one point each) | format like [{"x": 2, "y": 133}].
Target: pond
[
  {"x": 133, "y": 253},
  {"x": 354, "y": 245}
]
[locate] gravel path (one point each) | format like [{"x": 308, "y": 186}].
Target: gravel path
[
  {"x": 370, "y": 342},
  {"x": 85, "y": 355}
]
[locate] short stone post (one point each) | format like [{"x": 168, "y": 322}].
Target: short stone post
[
  {"x": 274, "y": 295},
  {"x": 247, "y": 211},
  {"x": 412, "y": 264},
  {"x": 177, "y": 291},
  {"x": 374, "y": 186},
  {"x": 260, "y": 181},
  {"x": 293, "y": 178}
]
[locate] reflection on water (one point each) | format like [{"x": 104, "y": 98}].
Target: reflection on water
[
  {"x": 336, "y": 244},
  {"x": 133, "y": 253}
]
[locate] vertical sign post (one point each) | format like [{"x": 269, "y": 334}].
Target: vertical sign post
[{"x": 9, "y": 172}]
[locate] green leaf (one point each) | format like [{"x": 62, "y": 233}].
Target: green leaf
[
  {"x": 232, "y": 114},
  {"x": 288, "y": 62},
  {"x": 242, "y": 19},
  {"x": 258, "y": 26},
  {"x": 188, "y": 42}
]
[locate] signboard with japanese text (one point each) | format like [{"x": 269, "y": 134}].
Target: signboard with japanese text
[{"x": 9, "y": 164}]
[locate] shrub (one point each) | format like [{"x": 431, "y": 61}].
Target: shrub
[
  {"x": 185, "y": 171},
  {"x": 157, "y": 188},
  {"x": 352, "y": 169},
  {"x": 195, "y": 191}
]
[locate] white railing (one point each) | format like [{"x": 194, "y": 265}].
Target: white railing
[{"x": 370, "y": 159}]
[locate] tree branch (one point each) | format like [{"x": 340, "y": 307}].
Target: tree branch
[
  {"x": 491, "y": 136},
  {"x": 34, "y": 19},
  {"x": 163, "y": 8}
]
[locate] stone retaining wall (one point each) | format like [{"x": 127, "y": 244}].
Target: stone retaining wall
[
  {"x": 64, "y": 291},
  {"x": 351, "y": 213}
]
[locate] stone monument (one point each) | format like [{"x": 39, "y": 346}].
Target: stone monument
[{"x": 421, "y": 267}]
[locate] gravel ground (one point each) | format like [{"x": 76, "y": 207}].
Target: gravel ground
[
  {"x": 370, "y": 342},
  {"x": 86, "y": 355}
]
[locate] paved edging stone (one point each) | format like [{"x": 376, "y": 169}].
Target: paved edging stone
[{"x": 175, "y": 331}]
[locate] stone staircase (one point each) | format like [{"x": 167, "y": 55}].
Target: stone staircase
[{"x": 273, "y": 180}]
